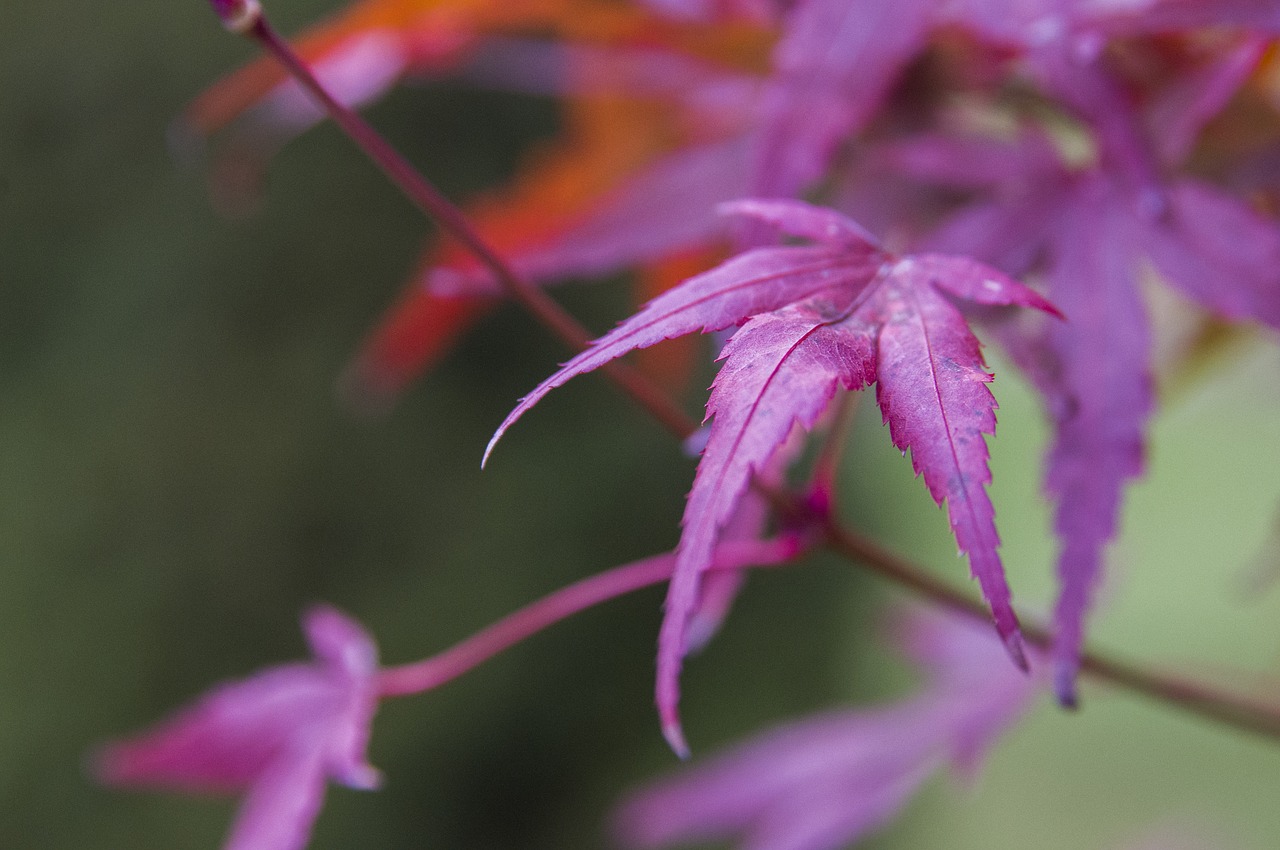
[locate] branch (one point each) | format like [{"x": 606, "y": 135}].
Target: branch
[
  {"x": 247, "y": 18},
  {"x": 558, "y": 605},
  {"x": 1239, "y": 711}
]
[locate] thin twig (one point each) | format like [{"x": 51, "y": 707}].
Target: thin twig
[
  {"x": 1237, "y": 710},
  {"x": 451, "y": 219},
  {"x": 419, "y": 676}
]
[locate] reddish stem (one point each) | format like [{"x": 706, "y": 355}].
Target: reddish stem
[{"x": 463, "y": 656}]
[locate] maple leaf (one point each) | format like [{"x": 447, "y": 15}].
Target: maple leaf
[
  {"x": 587, "y": 206},
  {"x": 833, "y": 69},
  {"x": 837, "y": 62},
  {"x": 415, "y": 333},
  {"x": 671, "y": 363},
  {"x": 1095, "y": 370},
  {"x": 829, "y": 780},
  {"x": 274, "y": 738},
  {"x": 841, "y": 312},
  {"x": 1259, "y": 15},
  {"x": 1200, "y": 91},
  {"x": 554, "y": 190},
  {"x": 1091, "y": 231},
  {"x": 361, "y": 52},
  {"x": 606, "y": 194}
]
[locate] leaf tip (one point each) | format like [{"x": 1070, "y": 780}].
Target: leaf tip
[
  {"x": 1014, "y": 645},
  {"x": 674, "y": 736},
  {"x": 488, "y": 449},
  {"x": 1064, "y": 686},
  {"x": 1049, "y": 307}
]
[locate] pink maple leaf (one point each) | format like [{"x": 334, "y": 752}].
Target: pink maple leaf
[
  {"x": 842, "y": 312},
  {"x": 830, "y": 780},
  {"x": 274, "y": 737},
  {"x": 1093, "y": 370},
  {"x": 834, "y": 67},
  {"x": 1091, "y": 231}
]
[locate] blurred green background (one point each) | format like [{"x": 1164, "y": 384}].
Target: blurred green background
[{"x": 177, "y": 481}]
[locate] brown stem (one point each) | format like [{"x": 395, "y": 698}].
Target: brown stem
[
  {"x": 451, "y": 219},
  {"x": 1232, "y": 709}
]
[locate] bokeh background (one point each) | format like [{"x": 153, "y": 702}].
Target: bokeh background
[{"x": 178, "y": 480}]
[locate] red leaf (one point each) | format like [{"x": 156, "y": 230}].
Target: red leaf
[{"x": 418, "y": 330}]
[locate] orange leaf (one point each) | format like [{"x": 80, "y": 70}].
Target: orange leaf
[
  {"x": 435, "y": 35},
  {"x": 413, "y": 336}
]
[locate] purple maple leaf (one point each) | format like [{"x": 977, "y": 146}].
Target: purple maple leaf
[
  {"x": 837, "y": 62},
  {"x": 1174, "y": 15},
  {"x": 750, "y": 520},
  {"x": 1091, "y": 231},
  {"x": 830, "y": 780},
  {"x": 667, "y": 206},
  {"x": 1098, "y": 386},
  {"x": 839, "y": 313},
  {"x": 1187, "y": 102},
  {"x": 833, "y": 69},
  {"x": 274, "y": 737},
  {"x": 1092, "y": 370}
]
